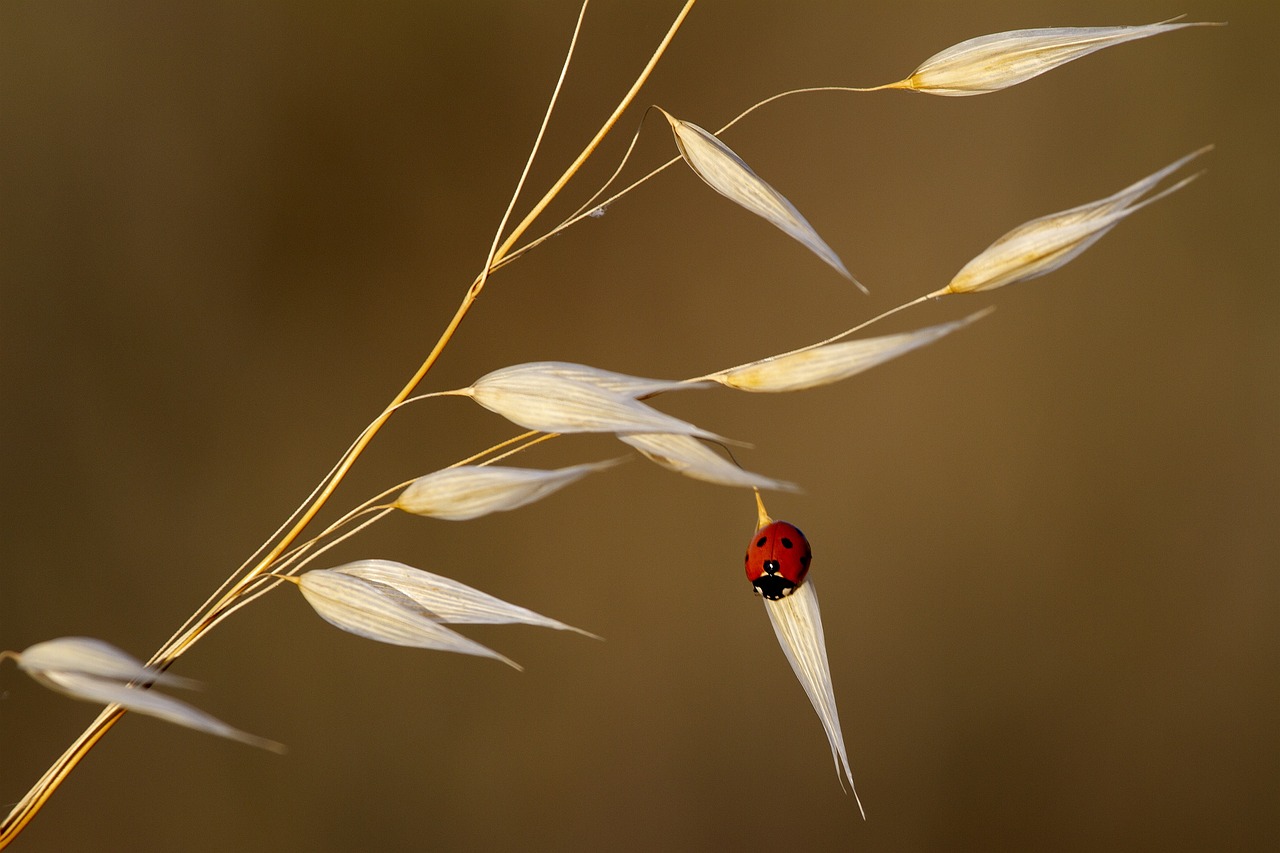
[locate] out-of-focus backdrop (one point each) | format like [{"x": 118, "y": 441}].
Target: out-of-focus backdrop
[{"x": 1047, "y": 546}]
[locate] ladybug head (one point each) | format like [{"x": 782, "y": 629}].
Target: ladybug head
[{"x": 772, "y": 585}]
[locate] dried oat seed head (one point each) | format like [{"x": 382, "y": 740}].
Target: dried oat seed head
[
  {"x": 608, "y": 380},
  {"x": 1042, "y": 245},
  {"x": 543, "y": 399},
  {"x": 993, "y": 62},
  {"x": 798, "y": 626},
  {"x": 93, "y": 671},
  {"x": 726, "y": 173},
  {"x": 689, "y": 456},
  {"x": 470, "y": 491},
  {"x": 92, "y": 657},
  {"x": 378, "y": 611},
  {"x": 822, "y": 365},
  {"x": 447, "y": 600}
]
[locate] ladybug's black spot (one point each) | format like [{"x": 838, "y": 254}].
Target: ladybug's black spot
[
  {"x": 806, "y": 559},
  {"x": 760, "y": 542},
  {"x": 771, "y": 567},
  {"x": 786, "y": 543},
  {"x": 773, "y": 587}
]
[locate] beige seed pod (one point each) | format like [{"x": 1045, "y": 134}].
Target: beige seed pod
[
  {"x": 797, "y": 623},
  {"x": 90, "y": 656},
  {"x": 726, "y": 173},
  {"x": 540, "y": 398},
  {"x": 378, "y": 611},
  {"x": 689, "y": 456},
  {"x": 812, "y": 367},
  {"x": 1042, "y": 245},
  {"x": 993, "y": 62},
  {"x": 448, "y": 600},
  {"x": 94, "y": 671},
  {"x": 608, "y": 380},
  {"x": 470, "y": 491}
]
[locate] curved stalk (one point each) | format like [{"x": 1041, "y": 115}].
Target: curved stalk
[{"x": 34, "y": 800}]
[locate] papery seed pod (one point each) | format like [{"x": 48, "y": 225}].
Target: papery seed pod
[
  {"x": 689, "y": 456},
  {"x": 812, "y": 367},
  {"x": 608, "y": 380},
  {"x": 470, "y": 491},
  {"x": 93, "y": 671},
  {"x": 380, "y": 612},
  {"x": 993, "y": 62},
  {"x": 448, "y": 600},
  {"x": 544, "y": 400},
  {"x": 1042, "y": 245},
  {"x": 93, "y": 657},
  {"x": 726, "y": 173},
  {"x": 797, "y": 623}
]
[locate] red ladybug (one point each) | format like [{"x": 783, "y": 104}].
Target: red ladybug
[{"x": 778, "y": 559}]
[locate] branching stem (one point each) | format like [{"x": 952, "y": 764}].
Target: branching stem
[{"x": 217, "y": 608}]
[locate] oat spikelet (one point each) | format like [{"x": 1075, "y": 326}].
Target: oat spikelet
[
  {"x": 470, "y": 491},
  {"x": 94, "y": 671},
  {"x": 726, "y": 173},
  {"x": 1042, "y": 245},
  {"x": 994, "y": 62}
]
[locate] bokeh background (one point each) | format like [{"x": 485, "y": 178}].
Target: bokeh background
[{"x": 1047, "y": 546}]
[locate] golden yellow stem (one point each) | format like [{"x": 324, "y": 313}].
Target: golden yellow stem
[{"x": 35, "y": 799}]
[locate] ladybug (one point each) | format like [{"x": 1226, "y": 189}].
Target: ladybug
[{"x": 778, "y": 559}]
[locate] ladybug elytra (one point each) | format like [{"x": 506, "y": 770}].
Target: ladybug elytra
[{"x": 778, "y": 559}]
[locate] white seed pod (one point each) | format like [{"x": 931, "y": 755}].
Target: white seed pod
[
  {"x": 690, "y": 457},
  {"x": 380, "y": 612},
  {"x": 608, "y": 380},
  {"x": 93, "y": 671},
  {"x": 1042, "y": 245},
  {"x": 447, "y": 600},
  {"x": 822, "y": 365},
  {"x": 798, "y": 626},
  {"x": 993, "y": 62},
  {"x": 726, "y": 173},
  {"x": 544, "y": 400},
  {"x": 92, "y": 657},
  {"x": 470, "y": 491}
]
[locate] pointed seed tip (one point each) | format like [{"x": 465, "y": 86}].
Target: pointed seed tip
[{"x": 583, "y": 632}]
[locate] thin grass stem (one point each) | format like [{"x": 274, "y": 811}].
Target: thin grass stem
[{"x": 37, "y": 796}]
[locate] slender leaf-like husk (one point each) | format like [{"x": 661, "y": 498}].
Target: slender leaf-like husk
[
  {"x": 798, "y": 626},
  {"x": 546, "y": 401},
  {"x": 608, "y": 380},
  {"x": 726, "y": 173},
  {"x": 993, "y": 62},
  {"x": 379, "y": 612},
  {"x": 94, "y": 671},
  {"x": 447, "y": 600},
  {"x": 822, "y": 365},
  {"x": 1043, "y": 245},
  {"x": 690, "y": 457},
  {"x": 141, "y": 701},
  {"x": 470, "y": 491},
  {"x": 93, "y": 657}
]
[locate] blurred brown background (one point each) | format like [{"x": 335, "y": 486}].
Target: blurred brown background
[{"x": 1046, "y": 546}]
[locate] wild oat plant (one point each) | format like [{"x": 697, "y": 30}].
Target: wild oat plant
[{"x": 399, "y": 604}]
